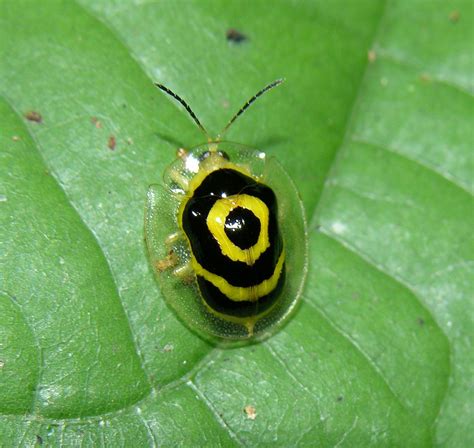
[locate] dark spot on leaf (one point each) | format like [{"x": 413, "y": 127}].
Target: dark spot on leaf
[
  {"x": 340, "y": 398},
  {"x": 111, "y": 143},
  {"x": 421, "y": 321},
  {"x": 39, "y": 440},
  {"x": 235, "y": 36},
  {"x": 32, "y": 115}
]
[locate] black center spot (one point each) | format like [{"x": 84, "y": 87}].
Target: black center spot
[{"x": 242, "y": 227}]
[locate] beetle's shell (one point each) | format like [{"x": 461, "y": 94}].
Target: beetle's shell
[{"x": 163, "y": 217}]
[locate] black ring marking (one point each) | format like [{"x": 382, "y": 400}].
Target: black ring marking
[{"x": 206, "y": 250}]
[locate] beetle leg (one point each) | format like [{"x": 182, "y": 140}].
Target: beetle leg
[
  {"x": 170, "y": 261},
  {"x": 179, "y": 179},
  {"x": 185, "y": 272},
  {"x": 175, "y": 175},
  {"x": 172, "y": 238}
]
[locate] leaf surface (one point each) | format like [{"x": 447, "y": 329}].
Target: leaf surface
[{"x": 380, "y": 351}]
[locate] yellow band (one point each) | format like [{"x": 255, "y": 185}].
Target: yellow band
[{"x": 239, "y": 293}]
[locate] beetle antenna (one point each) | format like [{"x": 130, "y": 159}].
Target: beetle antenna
[
  {"x": 184, "y": 104},
  {"x": 248, "y": 103}
]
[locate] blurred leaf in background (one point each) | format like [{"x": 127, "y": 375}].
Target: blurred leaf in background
[{"x": 375, "y": 126}]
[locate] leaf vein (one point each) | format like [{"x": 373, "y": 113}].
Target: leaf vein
[
  {"x": 214, "y": 412},
  {"x": 446, "y": 175},
  {"x": 364, "y": 354},
  {"x": 406, "y": 63},
  {"x": 386, "y": 271},
  {"x": 350, "y": 117},
  {"x": 106, "y": 259}
]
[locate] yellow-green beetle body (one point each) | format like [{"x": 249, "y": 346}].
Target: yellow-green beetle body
[{"x": 227, "y": 238}]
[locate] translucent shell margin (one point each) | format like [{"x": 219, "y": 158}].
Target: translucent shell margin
[{"x": 181, "y": 291}]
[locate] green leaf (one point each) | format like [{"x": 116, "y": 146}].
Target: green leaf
[{"x": 380, "y": 351}]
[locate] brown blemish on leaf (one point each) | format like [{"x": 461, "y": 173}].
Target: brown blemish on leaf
[
  {"x": 424, "y": 77},
  {"x": 251, "y": 412},
  {"x": 371, "y": 56},
  {"x": 168, "y": 348},
  {"x": 111, "y": 143},
  {"x": 33, "y": 115},
  {"x": 454, "y": 16},
  {"x": 421, "y": 321},
  {"x": 96, "y": 122},
  {"x": 235, "y": 36}
]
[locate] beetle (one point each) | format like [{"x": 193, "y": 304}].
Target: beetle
[{"x": 226, "y": 236}]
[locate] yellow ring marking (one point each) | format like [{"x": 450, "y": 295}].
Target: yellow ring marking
[
  {"x": 216, "y": 225},
  {"x": 240, "y": 293}
]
